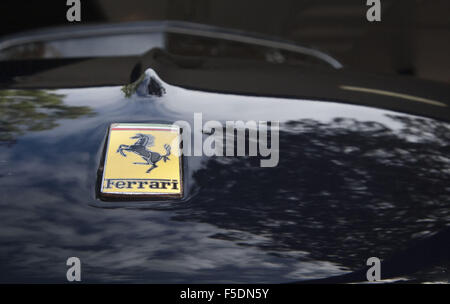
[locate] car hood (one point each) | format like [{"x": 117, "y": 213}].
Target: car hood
[{"x": 360, "y": 174}]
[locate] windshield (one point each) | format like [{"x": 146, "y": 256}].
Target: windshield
[
  {"x": 406, "y": 38},
  {"x": 138, "y": 38}
]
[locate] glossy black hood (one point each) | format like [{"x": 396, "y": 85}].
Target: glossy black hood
[{"x": 360, "y": 174}]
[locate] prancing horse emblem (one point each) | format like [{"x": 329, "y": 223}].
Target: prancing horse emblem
[{"x": 140, "y": 148}]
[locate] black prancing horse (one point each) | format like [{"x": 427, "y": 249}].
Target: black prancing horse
[{"x": 140, "y": 148}]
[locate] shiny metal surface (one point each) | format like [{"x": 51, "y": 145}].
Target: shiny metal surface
[{"x": 352, "y": 182}]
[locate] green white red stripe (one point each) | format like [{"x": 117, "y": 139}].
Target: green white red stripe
[{"x": 144, "y": 127}]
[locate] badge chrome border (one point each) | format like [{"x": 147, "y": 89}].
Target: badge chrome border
[{"x": 140, "y": 195}]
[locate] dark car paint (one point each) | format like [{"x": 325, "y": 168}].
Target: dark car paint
[{"x": 357, "y": 177}]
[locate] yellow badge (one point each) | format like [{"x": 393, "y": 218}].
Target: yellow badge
[{"x": 143, "y": 161}]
